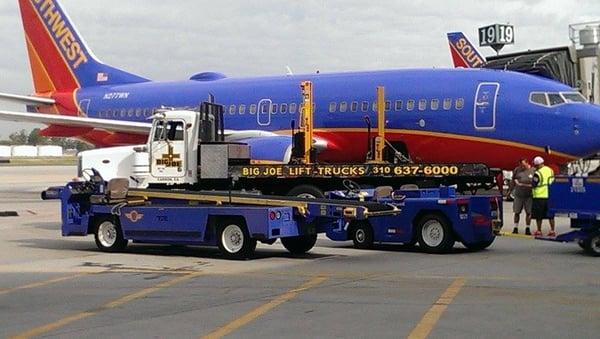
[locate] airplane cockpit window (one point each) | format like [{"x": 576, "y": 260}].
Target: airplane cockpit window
[
  {"x": 555, "y": 99},
  {"x": 539, "y": 98},
  {"x": 573, "y": 97}
]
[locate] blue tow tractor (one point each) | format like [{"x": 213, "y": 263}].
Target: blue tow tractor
[
  {"x": 235, "y": 222},
  {"x": 577, "y": 199}
]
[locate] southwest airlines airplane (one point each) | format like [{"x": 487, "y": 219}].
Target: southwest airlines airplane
[{"x": 433, "y": 115}]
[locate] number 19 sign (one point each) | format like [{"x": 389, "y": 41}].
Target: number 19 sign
[{"x": 496, "y": 36}]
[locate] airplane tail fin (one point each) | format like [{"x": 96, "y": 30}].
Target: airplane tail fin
[
  {"x": 60, "y": 59},
  {"x": 464, "y": 54}
]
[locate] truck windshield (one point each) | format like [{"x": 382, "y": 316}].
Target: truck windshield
[{"x": 168, "y": 130}]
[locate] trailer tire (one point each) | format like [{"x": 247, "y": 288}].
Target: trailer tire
[
  {"x": 234, "y": 241},
  {"x": 592, "y": 244},
  {"x": 435, "y": 234},
  {"x": 479, "y": 246},
  {"x": 109, "y": 236},
  {"x": 306, "y": 191},
  {"x": 300, "y": 244},
  {"x": 362, "y": 236}
]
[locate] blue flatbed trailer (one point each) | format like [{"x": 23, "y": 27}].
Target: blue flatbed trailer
[
  {"x": 434, "y": 218},
  {"x": 577, "y": 198},
  {"x": 234, "y": 222}
]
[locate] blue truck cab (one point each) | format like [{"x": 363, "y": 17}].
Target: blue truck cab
[{"x": 433, "y": 218}]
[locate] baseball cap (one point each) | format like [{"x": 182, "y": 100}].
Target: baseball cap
[{"x": 538, "y": 161}]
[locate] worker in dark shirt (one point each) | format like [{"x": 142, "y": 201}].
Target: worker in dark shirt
[{"x": 521, "y": 188}]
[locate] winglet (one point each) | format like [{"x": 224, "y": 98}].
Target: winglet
[{"x": 464, "y": 54}]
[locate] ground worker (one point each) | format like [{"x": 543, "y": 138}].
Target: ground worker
[
  {"x": 542, "y": 178},
  {"x": 521, "y": 188}
]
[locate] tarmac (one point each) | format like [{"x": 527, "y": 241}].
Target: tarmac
[{"x": 58, "y": 287}]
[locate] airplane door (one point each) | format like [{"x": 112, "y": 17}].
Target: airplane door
[
  {"x": 484, "y": 113},
  {"x": 168, "y": 150},
  {"x": 265, "y": 108}
]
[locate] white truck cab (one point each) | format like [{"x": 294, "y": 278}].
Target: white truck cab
[{"x": 178, "y": 141}]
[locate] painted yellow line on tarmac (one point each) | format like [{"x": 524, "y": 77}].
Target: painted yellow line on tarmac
[
  {"x": 38, "y": 331},
  {"x": 434, "y": 314},
  {"x": 521, "y": 236},
  {"x": 257, "y": 312},
  {"x": 41, "y": 283}
]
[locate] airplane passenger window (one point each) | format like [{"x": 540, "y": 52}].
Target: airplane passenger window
[
  {"x": 115, "y": 113},
  {"x": 332, "y": 107},
  {"x": 574, "y": 97},
  {"x": 274, "y": 109},
  {"x": 123, "y": 113},
  {"x": 253, "y": 109},
  {"x": 539, "y": 98},
  {"x": 388, "y": 106},
  {"x": 398, "y": 105},
  {"x": 343, "y": 106},
  {"x": 364, "y": 106},
  {"x": 130, "y": 112},
  {"x": 242, "y": 109},
  {"x": 555, "y": 99},
  {"x": 410, "y": 105},
  {"x": 232, "y": 109},
  {"x": 435, "y": 104},
  {"x": 293, "y": 108},
  {"x": 354, "y": 106},
  {"x": 138, "y": 112},
  {"x": 374, "y": 106},
  {"x": 460, "y": 103},
  {"x": 422, "y": 104},
  {"x": 447, "y": 104},
  {"x": 284, "y": 108},
  {"x": 147, "y": 112}
]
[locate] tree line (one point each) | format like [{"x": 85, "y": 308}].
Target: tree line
[{"x": 34, "y": 138}]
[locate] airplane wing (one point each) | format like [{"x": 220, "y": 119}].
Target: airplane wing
[
  {"x": 26, "y": 99},
  {"x": 73, "y": 121}
]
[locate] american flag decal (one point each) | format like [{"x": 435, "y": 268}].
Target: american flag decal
[{"x": 102, "y": 77}]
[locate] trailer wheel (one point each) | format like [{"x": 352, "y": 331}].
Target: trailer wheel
[
  {"x": 300, "y": 244},
  {"x": 109, "y": 237},
  {"x": 306, "y": 191},
  {"x": 435, "y": 234},
  {"x": 234, "y": 241},
  {"x": 592, "y": 244},
  {"x": 478, "y": 246},
  {"x": 362, "y": 236}
]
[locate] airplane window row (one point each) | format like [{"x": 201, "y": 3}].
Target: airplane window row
[
  {"x": 553, "y": 99},
  {"x": 276, "y": 108},
  {"x": 398, "y": 105},
  {"x": 131, "y": 112}
]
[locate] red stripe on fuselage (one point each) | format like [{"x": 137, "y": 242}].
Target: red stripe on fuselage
[
  {"x": 352, "y": 146},
  {"x": 44, "y": 45}
]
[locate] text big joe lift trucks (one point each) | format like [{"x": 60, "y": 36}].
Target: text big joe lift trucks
[
  {"x": 180, "y": 140},
  {"x": 235, "y": 221}
]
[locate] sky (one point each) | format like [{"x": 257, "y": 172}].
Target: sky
[{"x": 171, "y": 40}]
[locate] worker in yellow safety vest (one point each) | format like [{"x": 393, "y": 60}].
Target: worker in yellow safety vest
[{"x": 542, "y": 178}]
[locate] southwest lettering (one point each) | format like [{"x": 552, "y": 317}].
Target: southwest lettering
[
  {"x": 63, "y": 35},
  {"x": 468, "y": 53}
]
